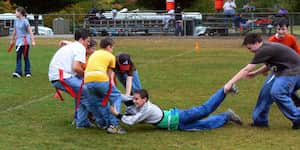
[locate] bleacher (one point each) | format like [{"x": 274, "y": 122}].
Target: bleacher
[
  {"x": 126, "y": 27},
  {"x": 217, "y": 24}
]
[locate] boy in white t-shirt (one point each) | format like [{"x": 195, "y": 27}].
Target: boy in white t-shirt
[{"x": 66, "y": 73}]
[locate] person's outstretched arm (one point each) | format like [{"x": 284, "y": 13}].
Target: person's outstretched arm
[
  {"x": 128, "y": 85},
  {"x": 129, "y": 120},
  {"x": 64, "y": 42},
  {"x": 263, "y": 69},
  {"x": 243, "y": 73}
]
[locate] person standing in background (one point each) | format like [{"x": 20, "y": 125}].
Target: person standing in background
[
  {"x": 229, "y": 8},
  {"x": 22, "y": 34},
  {"x": 178, "y": 21}
]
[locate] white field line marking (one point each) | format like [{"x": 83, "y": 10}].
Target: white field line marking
[
  {"x": 47, "y": 96},
  {"x": 166, "y": 59},
  {"x": 26, "y": 104}
]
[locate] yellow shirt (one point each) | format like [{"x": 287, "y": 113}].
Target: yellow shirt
[{"x": 97, "y": 66}]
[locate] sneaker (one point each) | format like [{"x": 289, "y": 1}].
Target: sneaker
[
  {"x": 234, "y": 90},
  {"x": 296, "y": 125},
  {"x": 28, "y": 76},
  {"x": 252, "y": 124},
  {"x": 115, "y": 130},
  {"x": 234, "y": 117},
  {"x": 16, "y": 75},
  {"x": 73, "y": 122}
]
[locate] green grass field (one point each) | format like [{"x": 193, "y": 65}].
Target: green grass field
[{"x": 175, "y": 75}]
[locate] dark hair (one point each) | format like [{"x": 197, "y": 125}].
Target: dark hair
[
  {"x": 92, "y": 43},
  {"x": 143, "y": 93},
  {"x": 81, "y": 34},
  {"x": 22, "y": 11},
  {"x": 122, "y": 57},
  {"x": 283, "y": 22},
  {"x": 106, "y": 42},
  {"x": 252, "y": 38}
]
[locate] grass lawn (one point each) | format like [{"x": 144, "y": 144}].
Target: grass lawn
[
  {"x": 175, "y": 75},
  {"x": 296, "y": 30}
]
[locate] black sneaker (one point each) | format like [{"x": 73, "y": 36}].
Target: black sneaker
[
  {"x": 296, "y": 125},
  {"x": 252, "y": 124}
]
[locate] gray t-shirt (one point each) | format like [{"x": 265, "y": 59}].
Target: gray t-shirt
[
  {"x": 283, "y": 60},
  {"x": 21, "y": 27}
]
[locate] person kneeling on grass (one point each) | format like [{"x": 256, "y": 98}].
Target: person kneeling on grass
[
  {"x": 66, "y": 74},
  {"x": 177, "y": 119},
  {"x": 127, "y": 73}
]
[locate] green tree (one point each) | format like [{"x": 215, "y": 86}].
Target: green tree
[
  {"x": 203, "y": 6},
  {"x": 41, "y": 7},
  {"x": 6, "y": 6},
  {"x": 291, "y": 5}
]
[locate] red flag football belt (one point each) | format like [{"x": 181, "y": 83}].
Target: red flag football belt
[
  {"x": 106, "y": 98},
  {"x": 69, "y": 89},
  {"x": 25, "y": 50}
]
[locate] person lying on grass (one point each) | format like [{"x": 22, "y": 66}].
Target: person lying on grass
[{"x": 196, "y": 118}]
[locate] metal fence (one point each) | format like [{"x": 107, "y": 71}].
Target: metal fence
[
  {"x": 213, "y": 24},
  {"x": 219, "y": 24},
  {"x": 146, "y": 23}
]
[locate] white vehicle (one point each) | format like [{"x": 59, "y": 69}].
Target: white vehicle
[
  {"x": 142, "y": 22},
  {"x": 43, "y": 30}
]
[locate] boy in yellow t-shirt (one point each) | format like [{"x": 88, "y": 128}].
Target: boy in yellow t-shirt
[{"x": 98, "y": 80}]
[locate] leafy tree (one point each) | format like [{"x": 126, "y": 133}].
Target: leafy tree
[
  {"x": 6, "y": 6},
  {"x": 42, "y": 6}
]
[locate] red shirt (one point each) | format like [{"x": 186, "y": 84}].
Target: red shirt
[{"x": 289, "y": 40}]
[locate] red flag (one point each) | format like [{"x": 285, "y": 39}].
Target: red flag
[{"x": 11, "y": 46}]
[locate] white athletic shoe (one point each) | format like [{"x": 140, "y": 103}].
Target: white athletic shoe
[
  {"x": 16, "y": 75},
  {"x": 28, "y": 76}
]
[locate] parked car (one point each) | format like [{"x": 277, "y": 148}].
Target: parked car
[{"x": 43, "y": 30}]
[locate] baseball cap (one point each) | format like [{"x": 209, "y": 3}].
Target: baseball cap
[{"x": 124, "y": 62}]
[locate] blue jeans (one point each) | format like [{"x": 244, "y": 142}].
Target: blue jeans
[
  {"x": 136, "y": 83},
  {"x": 192, "y": 119},
  {"x": 229, "y": 12},
  {"x": 98, "y": 91},
  {"x": 20, "y": 53},
  {"x": 81, "y": 115},
  {"x": 264, "y": 102},
  {"x": 280, "y": 90}
]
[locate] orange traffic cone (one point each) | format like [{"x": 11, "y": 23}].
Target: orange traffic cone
[{"x": 197, "y": 46}]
